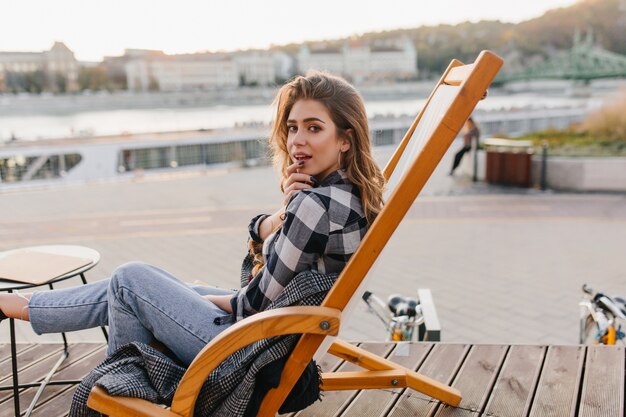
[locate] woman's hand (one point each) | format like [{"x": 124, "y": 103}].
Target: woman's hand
[
  {"x": 222, "y": 301},
  {"x": 296, "y": 181}
]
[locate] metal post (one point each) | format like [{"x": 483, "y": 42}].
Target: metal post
[{"x": 544, "y": 165}]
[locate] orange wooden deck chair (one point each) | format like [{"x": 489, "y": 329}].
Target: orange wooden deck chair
[{"x": 449, "y": 105}]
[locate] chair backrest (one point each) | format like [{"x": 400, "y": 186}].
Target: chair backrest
[{"x": 448, "y": 107}]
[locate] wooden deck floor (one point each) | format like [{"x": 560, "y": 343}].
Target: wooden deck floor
[{"x": 495, "y": 380}]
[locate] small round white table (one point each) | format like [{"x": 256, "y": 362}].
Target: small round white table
[{"x": 11, "y": 286}]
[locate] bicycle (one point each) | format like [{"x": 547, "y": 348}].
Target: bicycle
[
  {"x": 400, "y": 315},
  {"x": 601, "y": 318}
]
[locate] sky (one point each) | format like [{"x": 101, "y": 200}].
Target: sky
[{"x": 93, "y": 29}]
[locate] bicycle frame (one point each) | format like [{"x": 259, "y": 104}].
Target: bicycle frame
[{"x": 604, "y": 313}]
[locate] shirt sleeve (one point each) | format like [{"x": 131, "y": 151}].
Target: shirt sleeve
[
  {"x": 301, "y": 240},
  {"x": 253, "y": 227}
]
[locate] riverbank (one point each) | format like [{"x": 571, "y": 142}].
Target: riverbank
[
  {"x": 26, "y": 104},
  {"x": 48, "y": 104}
]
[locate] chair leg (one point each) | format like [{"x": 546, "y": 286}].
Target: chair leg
[{"x": 382, "y": 373}]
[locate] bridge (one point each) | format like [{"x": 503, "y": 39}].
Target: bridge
[{"x": 584, "y": 62}]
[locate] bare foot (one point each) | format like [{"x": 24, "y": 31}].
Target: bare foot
[{"x": 14, "y": 305}]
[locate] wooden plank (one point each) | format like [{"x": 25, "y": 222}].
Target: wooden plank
[
  {"x": 333, "y": 402},
  {"x": 476, "y": 379},
  {"x": 56, "y": 400},
  {"x": 83, "y": 358},
  {"x": 22, "y": 354},
  {"x": 557, "y": 392},
  {"x": 328, "y": 363},
  {"x": 442, "y": 364},
  {"x": 603, "y": 386},
  {"x": 5, "y": 350},
  {"x": 57, "y": 406},
  {"x": 516, "y": 384},
  {"x": 377, "y": 402},
  {"x": 25, "y": 360},
  {"x": 38, "y": 369}
]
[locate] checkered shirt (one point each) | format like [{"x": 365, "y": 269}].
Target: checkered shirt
[{"x": 323, "y": 227}]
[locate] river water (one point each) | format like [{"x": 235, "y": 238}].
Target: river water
[{"x": 112, "y": 122}]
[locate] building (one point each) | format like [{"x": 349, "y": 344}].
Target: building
[
  {"x": 115, "y": 66},
  {"x": 155, "y": 70},
  {"x": 186, "y": 72},
  {"x": 255, "y": 67},
  {"x": 284, "y": 66},
  {"x": 361, "y": 61},
  {"x": 54, "y": 70}
]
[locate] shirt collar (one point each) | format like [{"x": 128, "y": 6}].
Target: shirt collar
[{"x": 334, "y": 177}]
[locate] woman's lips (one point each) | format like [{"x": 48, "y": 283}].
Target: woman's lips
[{"x": 301, "y": 158}]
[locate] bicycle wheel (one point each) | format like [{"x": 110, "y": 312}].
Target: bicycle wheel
[{"x": 588, "y": 330}]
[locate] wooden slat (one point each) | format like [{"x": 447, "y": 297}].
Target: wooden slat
[
  {"x": 83, "y": 358},
  {"x": 377, "y": 402},
  {"x": 442, "y": 364},
  {"x": 35, "y": 373},
  {"x": 476, "y": 379},
  {"x": 557, "y": 392},
  {"x": 58, "y": 406},
  {"x": 514, "y": 389},
  {"x": 27, "y": 360},
  {"x": 5, "y": 350},
  {"x": 334, "y": 402},
  {"x": 557, "y": 381},
  {"x": 603, "y": 386}
]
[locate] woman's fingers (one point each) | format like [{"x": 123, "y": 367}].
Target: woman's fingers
[
  {"x": 297, "y": 177},
  {"x": 294, "y": 188},
  {"x": 293, "y": 168},
  {"x": 296, "y": 181}
]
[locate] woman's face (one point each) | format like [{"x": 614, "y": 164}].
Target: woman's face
[{"x": 312, "y": 138}]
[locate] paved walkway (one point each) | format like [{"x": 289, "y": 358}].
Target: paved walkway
[{"x": 504, "y": 265}]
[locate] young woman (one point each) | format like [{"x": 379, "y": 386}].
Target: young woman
[
  {"x": 470, "y": 133},
  {"x": 332, "y": 193}
]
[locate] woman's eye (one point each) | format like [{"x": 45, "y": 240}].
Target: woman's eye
[
  {"x": 314, "y": 128},
  {"x": 292, "y": 129}
]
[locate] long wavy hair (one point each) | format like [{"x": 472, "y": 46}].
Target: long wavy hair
[{"x": 347, "y": 110}]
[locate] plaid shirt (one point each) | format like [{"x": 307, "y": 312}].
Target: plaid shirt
[{"x": 323, "y": 227}]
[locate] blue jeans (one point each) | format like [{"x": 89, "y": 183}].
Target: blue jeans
[{"x": 139, "y": 303}]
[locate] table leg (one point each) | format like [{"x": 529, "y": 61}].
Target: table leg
[{"x": 16, "y": 392}]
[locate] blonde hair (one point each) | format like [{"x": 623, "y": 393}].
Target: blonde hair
[{"x": 347, "y": 110}]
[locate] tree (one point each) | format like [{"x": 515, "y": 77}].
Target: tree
[{"x": 93, "y": 78}]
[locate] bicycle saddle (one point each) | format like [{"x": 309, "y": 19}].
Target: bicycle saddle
[
  {"x": 617, "y": 308},
  {"x": 402, "y": 306}
]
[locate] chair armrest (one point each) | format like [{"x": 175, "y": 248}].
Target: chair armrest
[
  {"x": 282, "y": 321},
  {"x": 101, "y": 401}
]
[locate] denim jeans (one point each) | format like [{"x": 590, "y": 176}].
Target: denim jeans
[{"x": 139, "y": 303}]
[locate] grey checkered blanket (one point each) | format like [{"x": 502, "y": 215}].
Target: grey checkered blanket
[{"x": 234, "y": 388}]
